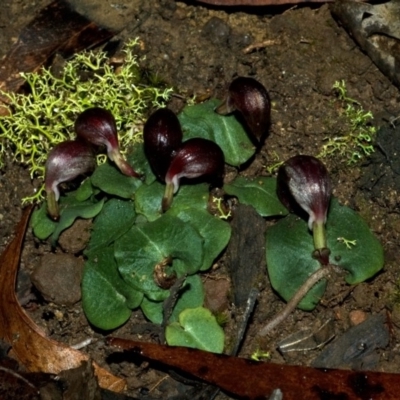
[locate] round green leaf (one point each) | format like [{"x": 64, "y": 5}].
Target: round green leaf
[
  {"x": 116, "y": 217},
  {"x": 111, "y": 181},
  {"x": 215, "y": 232},
  {"x": 144, "y": 246},
  {"x": 200, "y": 120},
  {"x": 106, "y": 299},
  {"x": 259, "y": 192},
  {"x": 197, "y": 328},
  {"x": 289, "y": 250},
  {"x": 191, "y": 296},
  {"x": 41, "y": 224},
  {"x": 71, "y": 209},
  {"x": 353, "y": 245},
  {"x": 148, "y": 199}
]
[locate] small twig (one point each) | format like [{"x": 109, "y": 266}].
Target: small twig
[
  {"x": 260, "y": 45},
  {"x": 82, "y": 344},
  {"x": 158, "y": 383},
  {"x": 321, "y": 273}
]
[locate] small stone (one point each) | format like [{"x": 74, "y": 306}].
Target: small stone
[
  {"x": 216, "y": 295},
  {"x": 356, "y": 317},
  {"x": 58, "y": 278},
  {"x": 74, "y": 239},
  {"x": 217, "y": 31}
]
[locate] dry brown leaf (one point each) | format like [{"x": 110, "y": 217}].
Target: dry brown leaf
[
  {"x": 256, "y": 380},
  {"x": 29, "y": 344}
]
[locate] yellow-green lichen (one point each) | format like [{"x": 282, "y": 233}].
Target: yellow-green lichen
[
  {"x": 46, "y": 116},
  {"x": 357, "y": 141}
]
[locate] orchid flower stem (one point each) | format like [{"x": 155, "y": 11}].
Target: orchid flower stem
[
  {"x": 123, "y": 165},
  {"x": 319, "y": 274},
  {"x": 168, "y": 197},
  {"x": 319, "y": 235},
  {"x": 52, "y": 206}
]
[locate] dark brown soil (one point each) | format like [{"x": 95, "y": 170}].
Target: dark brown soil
[{"x": 300, "y": 53}]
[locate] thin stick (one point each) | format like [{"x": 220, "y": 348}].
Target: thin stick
[{"x": 321, "y": 273}]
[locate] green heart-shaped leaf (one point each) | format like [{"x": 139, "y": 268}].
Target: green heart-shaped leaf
[
  {"x": 200, "y": 120},
  {"x": 215, "y": 232},
  {"x": 190, "y": 296},
  {"x": 116, "y": 217},
  {"x": 197, "y": 328},
  {"x": 259, "y": 192},
  {"x": 144, "y": 246},
  {"x": 353, "y": 246},
  {"x": 106, "y": 299},
  {"x": 289, "y": 250},
  {"x": 70, "y": 210},
  {"x": 111, "y": 181}
]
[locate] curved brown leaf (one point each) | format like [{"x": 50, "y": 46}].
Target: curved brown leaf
[
  {"x": 256, "y": 380},
  {"x": 29, "y": 344}
]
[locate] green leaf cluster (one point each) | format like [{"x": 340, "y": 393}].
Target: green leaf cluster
[
  {"x": 131, "y": 238},
  {"x": 132, "y": 241},
  {"x": 289, "y": 242},
  {"x": 129, "y": 241},
  {"x": 135, "y": 251}
]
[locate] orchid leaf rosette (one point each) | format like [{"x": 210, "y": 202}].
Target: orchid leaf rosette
[{"x": 328, "y": 233}]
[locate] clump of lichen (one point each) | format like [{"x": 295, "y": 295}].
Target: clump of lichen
[
  {"x": 357, "y": 141},
  {"x": 46, "y": 116}
]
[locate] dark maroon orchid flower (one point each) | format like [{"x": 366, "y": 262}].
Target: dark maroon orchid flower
[
  {"x": 250, "y": 98},
  {"x": 195, "y": 158},
  {"x": 162, "y": 136},
  {"x": 66, "y": 161},
  {"x": 97, "y": 126}
]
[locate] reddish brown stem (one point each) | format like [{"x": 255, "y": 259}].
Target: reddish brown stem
[{"x": 321, "y": 273}]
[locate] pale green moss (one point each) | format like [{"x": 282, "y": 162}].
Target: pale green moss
[
  {"x": 356, "y": 143},
  {"x": 46, "y": 116}
]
